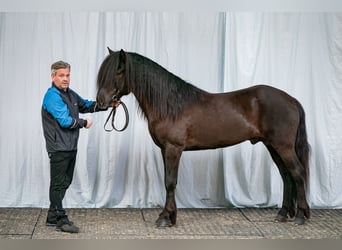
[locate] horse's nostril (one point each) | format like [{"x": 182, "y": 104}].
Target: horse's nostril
[
  {"x": 99, "y": 103},
  {"x": 102, "y": 104}
]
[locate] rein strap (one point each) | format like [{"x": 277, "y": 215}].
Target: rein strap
[{"x": 112, "y": 114}]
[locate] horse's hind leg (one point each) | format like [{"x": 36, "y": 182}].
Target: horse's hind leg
[
  {"x": 289, "y": 190},
  {"x": 171, "y": 156},
  {"x": 297, "y": 171}
]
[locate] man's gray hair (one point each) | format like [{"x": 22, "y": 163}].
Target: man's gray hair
[{"x": 59, "y": 65}]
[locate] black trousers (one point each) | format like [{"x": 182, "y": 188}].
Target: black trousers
[{"x": 62, "y": 165}]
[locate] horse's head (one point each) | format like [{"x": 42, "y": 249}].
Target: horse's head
[{"x": 111, "y": 79}]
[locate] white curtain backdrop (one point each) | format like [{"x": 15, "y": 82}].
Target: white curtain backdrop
[{"x": 300, "y": 53}]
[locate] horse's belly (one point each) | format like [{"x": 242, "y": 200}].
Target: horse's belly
[{"x": 216, "y": 137}]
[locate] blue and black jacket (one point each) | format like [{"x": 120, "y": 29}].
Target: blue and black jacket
[{"x": 60, "y": 118}]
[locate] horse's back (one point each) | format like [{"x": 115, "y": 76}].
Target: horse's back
[{"x": 261, "y": 98}]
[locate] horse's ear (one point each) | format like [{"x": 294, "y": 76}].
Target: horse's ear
[
  {"x": 110, "y": 51},
  {"x": 122, "y": 54},
  {"x": 122, "y": 61}
]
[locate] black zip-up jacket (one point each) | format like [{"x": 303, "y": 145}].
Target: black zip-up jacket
[{"x": 60, "y": 118}]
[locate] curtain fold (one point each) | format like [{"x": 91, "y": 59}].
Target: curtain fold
[{"x": 297, "y": 52}]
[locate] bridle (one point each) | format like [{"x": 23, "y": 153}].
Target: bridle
[{"x": 112, "y": 113}]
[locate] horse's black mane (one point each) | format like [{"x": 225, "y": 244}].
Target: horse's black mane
[{"x": 157, "y": 90}]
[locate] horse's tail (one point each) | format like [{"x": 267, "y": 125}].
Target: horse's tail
[{"x": 302, "y": 146}]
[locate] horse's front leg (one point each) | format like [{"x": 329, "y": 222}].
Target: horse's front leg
[{"x": 171, "y": 155}]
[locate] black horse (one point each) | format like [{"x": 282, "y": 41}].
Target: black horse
[{"x": 183, "y": 117}]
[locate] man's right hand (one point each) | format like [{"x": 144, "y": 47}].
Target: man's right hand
[{"x": 89, "y": 123}]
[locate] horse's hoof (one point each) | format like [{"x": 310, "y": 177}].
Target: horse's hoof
[
  {"x": 281, "y": 218},
  {"x": 163, "y": 223},
  {"x": 299, "y": 221}
]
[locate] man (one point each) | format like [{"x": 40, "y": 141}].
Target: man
[{"x": 61, "y": 124}]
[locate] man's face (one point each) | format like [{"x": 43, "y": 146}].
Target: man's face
[{"x": 61, "y": 78}]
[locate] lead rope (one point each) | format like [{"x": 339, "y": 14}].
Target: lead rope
[{"x": 112, "y": 114}]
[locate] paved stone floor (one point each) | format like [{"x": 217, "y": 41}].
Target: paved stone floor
[{"x": 227, "y": 223}]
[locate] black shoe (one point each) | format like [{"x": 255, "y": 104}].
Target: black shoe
[
  {"x": 53, "y": 222},
  {"x": 68, "y": 228},
  {"x": 64, "y": 225},
  {"x": 51, "y": 219}
]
